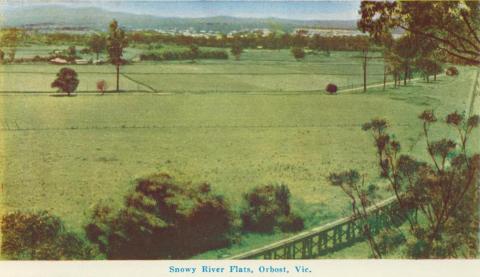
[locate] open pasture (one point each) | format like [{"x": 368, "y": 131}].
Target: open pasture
[{"x": 66, "y": 154}]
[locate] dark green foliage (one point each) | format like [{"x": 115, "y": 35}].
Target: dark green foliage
[
  {"x": 66, "y": 80},
  {"x": 162, "y": 219},
  {"x": 40, "y": 236},
  {"x": 268, "y": 207}
]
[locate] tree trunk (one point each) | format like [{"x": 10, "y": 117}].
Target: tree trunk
[
  {"x": 405, "y": 77},
  {"x": 428, "y": 78},
  {"x": 97, "y": 55},
  {"x": 118, "y": 77},
  {"x": 435, "y": 76}
]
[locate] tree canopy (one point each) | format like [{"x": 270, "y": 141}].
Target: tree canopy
[{"x": 453, "y": 25}]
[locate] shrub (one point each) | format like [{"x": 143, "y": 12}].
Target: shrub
[
  {"x": 298, "y": 53},
  {"x": 102, "y": 86},
  {"x": 452, "y": 71},
  {"x": 40, "y": 236},
  {"x": 331, "y": 88},
  {"x": 268, "y": 207},
  {"x": 161, "y": 219}
]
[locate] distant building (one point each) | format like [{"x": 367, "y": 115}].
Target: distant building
[{"x": 58, "y": 61}]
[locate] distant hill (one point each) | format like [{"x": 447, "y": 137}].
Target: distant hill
[{"x": 56, "y": 16}]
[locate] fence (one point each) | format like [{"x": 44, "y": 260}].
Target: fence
[{"x": 328, "y": 238}]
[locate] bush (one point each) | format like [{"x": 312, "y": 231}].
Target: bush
[
  {"x": 268, "y": 207},
  {"x": 452, "y": 71},
  {"x": 40, "y": 236},
  {"x": 162, "y": 219},
  {"x": 291, "y": 223},
  {"x": 298, "y": 53},
  {"x": 331, "y": 88}
]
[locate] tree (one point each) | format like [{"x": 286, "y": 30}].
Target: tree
[
  {"x": 454, "y": 25},
  {"x": 10, "y": 40},
  {"x": 2, "y": 56},
  {"x": 162, "y": 219},
  {"x": 40, "y": 236},
  {"x": 194, "y": 52},
  {"x": 236, "y": 51},
  {"x": 428, "y": 67},
  {"x": 66, "y": 80},
  {"x": 72, "y": 51},
  {"x": 97, "y": 44},
  {"x": 116, "y": 42},
  {"x": 361, "y": 197},
  {"x": 438, "y": 199},
  {"x": 298, "y": 53}
]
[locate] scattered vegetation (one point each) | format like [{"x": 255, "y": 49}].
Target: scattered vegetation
[{"x": 439, "y": 200}]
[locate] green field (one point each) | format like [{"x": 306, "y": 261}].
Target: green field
[
  {"x": 65, "y": 154},
  {"x": 259, "y": 71}
]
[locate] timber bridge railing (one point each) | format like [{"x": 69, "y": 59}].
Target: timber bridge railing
[{"x": 328, "y": 238}]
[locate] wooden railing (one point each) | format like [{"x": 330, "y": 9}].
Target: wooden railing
[{"x": 328, "y": 238}]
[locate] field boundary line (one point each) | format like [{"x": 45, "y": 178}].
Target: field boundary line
[
  {"x": 138, "y": 82},
  {"x": 73, "y": 128}
]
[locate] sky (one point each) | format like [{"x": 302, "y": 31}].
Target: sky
[{"x": 306, "y": 10}]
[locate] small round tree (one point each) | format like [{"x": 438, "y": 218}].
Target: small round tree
[
  {"x": 331, "y": 88},
  {"x": 298, "y": 53},
  {"x": 452, "y": 71},
  {"x": 66, "y": 81},
  {"x": 236, "y": 51},
  {"x": 102, "y": 86}
]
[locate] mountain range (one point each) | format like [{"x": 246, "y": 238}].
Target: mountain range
[{"x": 93, "y": 18}]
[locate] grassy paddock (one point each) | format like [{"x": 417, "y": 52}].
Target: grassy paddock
[{"x": 66, "y": 154}]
